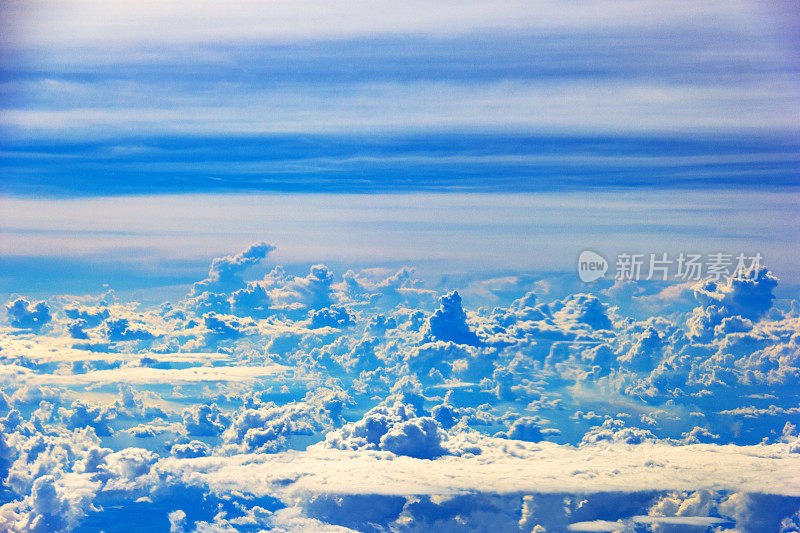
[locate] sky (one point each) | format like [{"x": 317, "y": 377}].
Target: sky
[
  {"x": 146, "y": 99},
  {"x": 399, "y": 266},
  {"x": 142, "y": 97},
  {"x": 144, "y": 241}
]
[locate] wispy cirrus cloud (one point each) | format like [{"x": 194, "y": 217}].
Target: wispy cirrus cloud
[
  {"x": 158, "y": 235},
  {"x": 123, "y": 74},
  {"x": 129, "y": 22},
  {"x": 557, "y": 107}
]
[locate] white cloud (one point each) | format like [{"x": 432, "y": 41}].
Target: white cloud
[
  {"x": 581, "y": 400},
  {"x": 630, "y": 106},
  {"x": 145, "y": 375},
  {"x": 503, "y": 467},
  {"x": 82, "y": 22}
]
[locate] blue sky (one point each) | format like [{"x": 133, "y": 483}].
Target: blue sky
[
  {"x": 138, "y": 98},
  {"x": 142, "y": 241}
]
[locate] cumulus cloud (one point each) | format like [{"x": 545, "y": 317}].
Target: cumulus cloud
[
  {"x": 728, "y": 304},
  {"x": 91, "y": 316},
  {"x": 615, "y": 431},
  {"x": 225, "y": 272},
  {"x": 332, "y": 317},
  {"x": 524, "y": 428},
  {"x": 224, "y": 327},
  {"x": 394, "y": 428},
  {"x": 265, "y": 429},
  {"x": 298, "y": 399},
  {"x": 582, "y": 310},
  {"x": 449, "y": 322},
  {"x": 26, "y": 315},
  {"x": 204, "y": 420},
  {"x": 747, "y": 294},
  {"x": 120, "y": 329}
]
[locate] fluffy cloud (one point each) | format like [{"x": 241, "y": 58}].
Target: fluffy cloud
[
  {"x": 582, "y": 310},
  {"x": 91, "y": 316},
  {"x": 120, "y": 329},
  {"x": 300, "y": 399},
  {"x": 225, "y": 272},
  {"x": 27, "y": 315},
  {"x": 747, "y": 294},
  {"x": 331, "y": 317},
  {"x": 731, "y": 303},
  {"x": 394, "y": 428},
  {"x": 449, "y": 322},
  {"x": 204, "y": 420},
  {"x": 224, "y": 327},
  {"x": 505, "y": 466},
  {"x": 190, "y": 450}
]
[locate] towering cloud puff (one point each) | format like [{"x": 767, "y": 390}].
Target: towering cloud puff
[
  {"x": 395, "y": 428},
  {"x": 205, "y": 420},
  {"x": 224, "y": 274},
  {"x": 420, "y": 437},
  {"x": 440, "y": 357},
  {"x": 25, "y": 315},
  {"x": 50, "y": 508},
  {"x": 645, "y": 351},
  {"x": 449, "y": 322},
  {"x": 312, "y": 291},
  {"x": 398, "y": 288},
  {"x": 266, "y": 427},
  {"x": 747, "y": 294},
  {"x": 252, "y": 300},
  {"x": 612, "y": 430},
  {"x": 190, "y": 450},
  {"x": 582, "y": 309}
]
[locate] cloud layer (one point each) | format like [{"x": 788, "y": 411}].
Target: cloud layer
[{"x": 364, "y": 401}]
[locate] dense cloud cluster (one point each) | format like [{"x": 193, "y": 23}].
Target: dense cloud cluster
[
  {"x": 395, "y": 428},
  {"x": 111, "y": 410}
]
